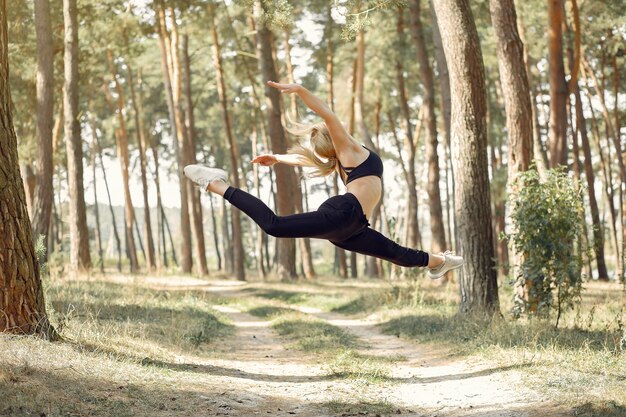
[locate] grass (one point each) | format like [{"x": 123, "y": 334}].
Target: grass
[
  {"x": 363, "y": 407},
  {"x": 312, "y": 335},
  {"x": 584, "y": 358},
  {"x": 119, "y": 353}
]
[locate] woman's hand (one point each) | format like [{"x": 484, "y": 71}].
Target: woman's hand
[
  {"x": 267, "y": 160},
  {"x": 285, "y": 88}
]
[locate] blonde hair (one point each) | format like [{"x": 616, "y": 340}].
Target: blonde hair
[{"x": 321, "y": 144}]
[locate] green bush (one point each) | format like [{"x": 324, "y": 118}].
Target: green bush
[{"x": 547, "y": 218}]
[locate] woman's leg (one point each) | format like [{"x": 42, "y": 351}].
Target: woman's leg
[
  {"x": 316, "y": 224},
  {"x": 372, "y": 243}
]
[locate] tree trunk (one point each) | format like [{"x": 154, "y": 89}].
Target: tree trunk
[
  {"x": 160, "y": 210},
  {"x": 339, "y": 264},
  {"x": 431, "y": 142},
  {"x": 194, "y": 194},
  {"x": 233, "y": 150},
  {"x": 558, "y": 86},
  {"x": 45, "y": 100},
  {"x": 176, "y": 122},
  {"x": 446, "y": 100},
  {"x": 516, "y": 94},
  {"x": 137, "y": 104},
  {"x": 22, "y": 302},
  {"x": 538, "y": 153},
  {"x": 94, "y": 153},
  {"x": 121, "y": 137},
  {"x": 306, "y": 256},
  {"x": 598, "y": 234},
  {"x": 284, "y": 175},
  {"x": 479, "y": 292},
  {"x": 614, "y": 134},
  {"x": 80, "y": 258}
]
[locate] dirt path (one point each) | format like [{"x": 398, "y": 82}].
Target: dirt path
[{"x": 254, "y": 373}]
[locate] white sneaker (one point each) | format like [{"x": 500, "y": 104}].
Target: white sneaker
[
  {"x": 203, "y": 176},
  {"x": 450, "y": 263}
]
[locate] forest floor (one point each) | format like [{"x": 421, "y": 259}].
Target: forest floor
[{"x": 181, "y": 346}]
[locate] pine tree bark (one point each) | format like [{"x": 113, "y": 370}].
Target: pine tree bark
[
  {"x": 284, "y": 175},
  {"x": 137, "y": 103},
  {"x": 44, "y": 193},
  {"x": 172, "y": 92},
  {"x": 516, "y": 95},
  {"x": 479, "y": 292},
  {"x": 539, "y": 154},
  {"x": 94, "y": 152},
  {"x": 304, "y": 244},
  {"x": 194, "y": 193},
  {"x": 412, "y": 227},
  {"x": 558, "y": 86},
  {"x": 22, "y": 301},
  {"x": 233, "y": 150},
  {"x": 339, "y": 263},
  {"x": 430, "y": 121},
  {"x": 121, "y": 137},
  {"x": 598, "y": 235},
  {"x": 80, "y": 257}
]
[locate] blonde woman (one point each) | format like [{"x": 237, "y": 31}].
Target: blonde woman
[{"x": 341, "y": 219}]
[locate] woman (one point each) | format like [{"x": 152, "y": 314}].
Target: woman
[{"x": 341, "y": 219}]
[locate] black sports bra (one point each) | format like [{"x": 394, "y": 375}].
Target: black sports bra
[{"x": 373, "y": 165}]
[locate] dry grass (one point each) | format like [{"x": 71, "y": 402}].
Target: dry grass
[{"x": 124, "y": 342}]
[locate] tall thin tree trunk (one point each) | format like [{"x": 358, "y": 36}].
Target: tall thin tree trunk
[
  {"x": 539, "y": 154},
  {"x": 45, "y": 101},
  {"x": 613, "y": 134},
  {"x": 516, "y": 94},
  {"x": 80, "y": 257},
  {"x": 412, "y": 227},
  {"x": 160, "y": 210},
  {"x": 598, "y": 235},
  {"x": 431, "y": 142},
  {"x": 194, "y": 194},
  {"x": 172, "y": 92},
  {"x": 215, "y": 239},
  {"x": 233, "y": 150},
  {"x": 479, "y": 291},
  {"x": 94, "y": 153},
  {"x": 446, "y": 105},
  {"x": 558, "y": 86},
  {"x": 121, "y": 137},
  {"x": 140, "y": 127},
  {"x": 285, "y": 204}
]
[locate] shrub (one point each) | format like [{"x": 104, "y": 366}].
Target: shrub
[{"x": 547, "y": 216}]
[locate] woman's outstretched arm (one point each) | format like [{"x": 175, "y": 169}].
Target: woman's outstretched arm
[
  {"x": 288, "y": 159},
  {"x": 341, "y": 139}
]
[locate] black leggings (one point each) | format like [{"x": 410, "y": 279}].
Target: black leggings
[{"x": 339, "y": 219}]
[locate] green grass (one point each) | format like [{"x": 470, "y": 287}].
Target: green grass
[
  {"x": 584, "y": 358},
  {"x": 363, "y": 407},
  {"x": 312, "y": 335},
  {"x": 95, "y": 312}
]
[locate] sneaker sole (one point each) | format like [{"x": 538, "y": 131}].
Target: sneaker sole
[{"x": 444, "y": 271}]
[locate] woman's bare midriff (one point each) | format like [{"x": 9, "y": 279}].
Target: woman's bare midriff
[{"x": 367, "y": 190}]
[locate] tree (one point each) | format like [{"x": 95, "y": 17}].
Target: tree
[
  {"x": 479, "y": 292},
  {"x": 238, "y": 252},
  {"x": 121, "y": 141},
  {"x": 79, "y": 236},
  {"x": 286, "y": 247},
  {"x": 22, "y": 302},
  {"x": 428, "y": 87},
  {"x": 558, "y": 86},
  {"x": 516, "y": 94},
  {"x": 45, "y": 100}
]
